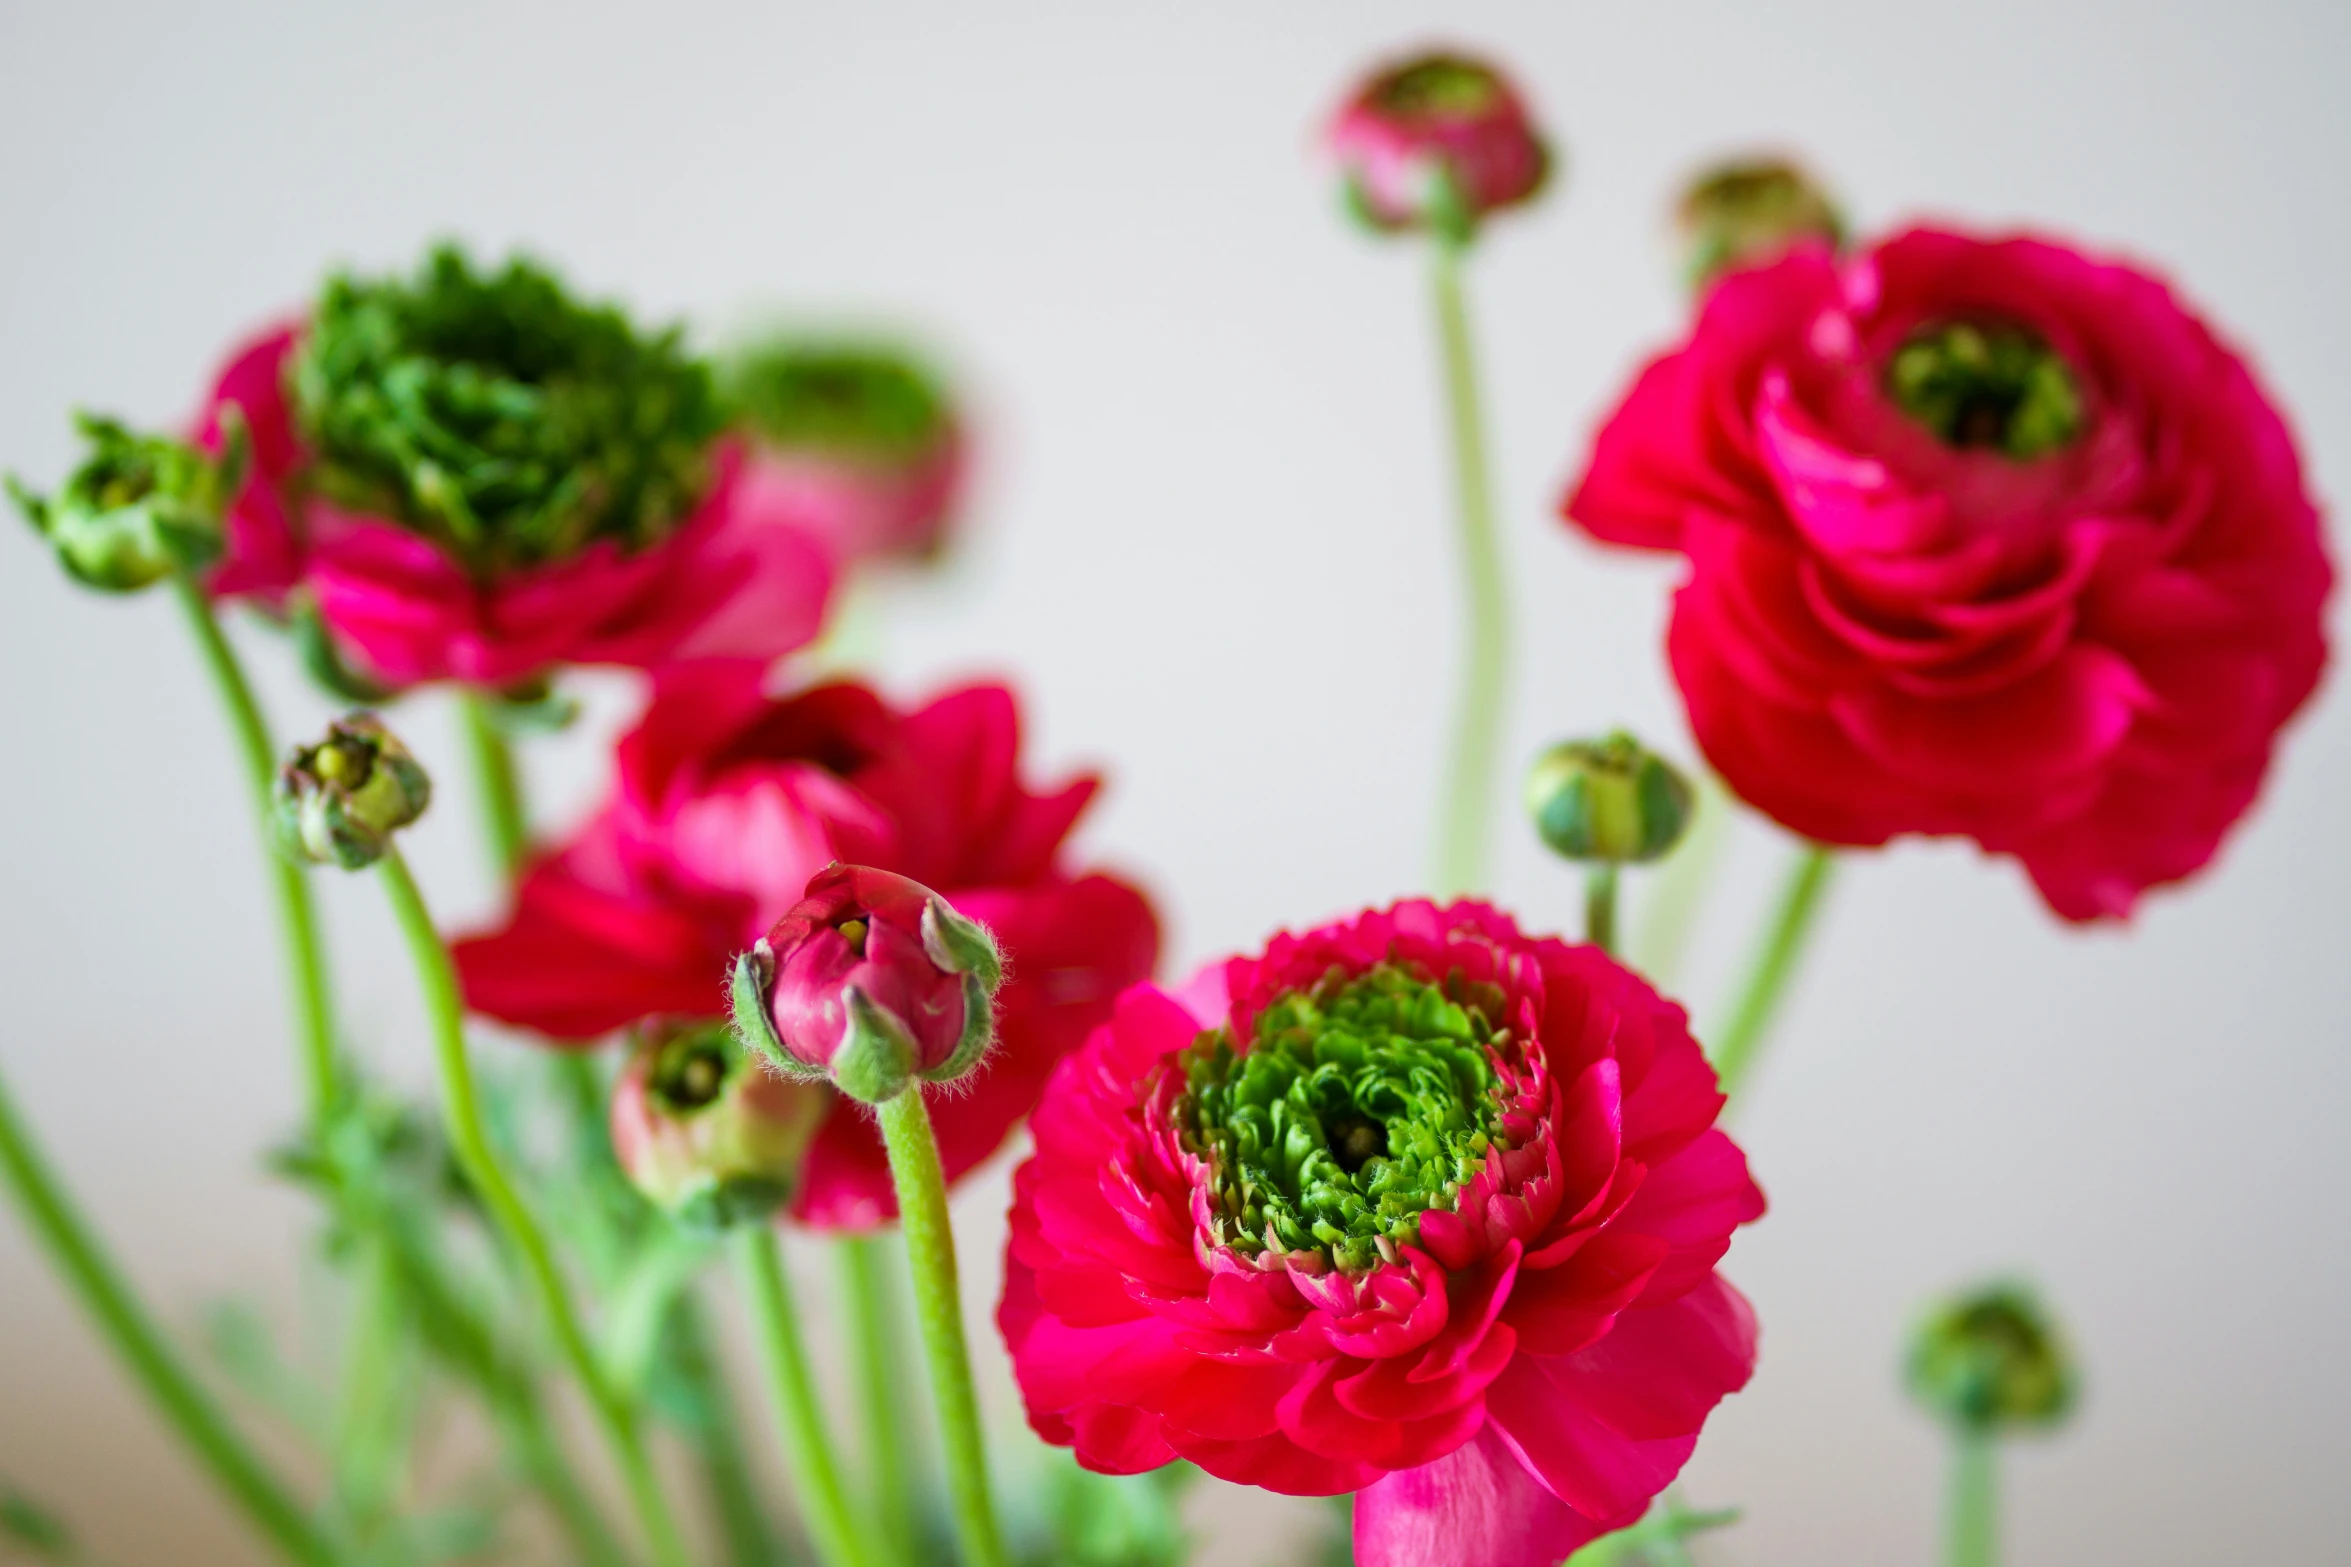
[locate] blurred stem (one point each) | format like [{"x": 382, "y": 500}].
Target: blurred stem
[
  {"x": 718, "y": 1439},
  {"x": 368, "y": 1436},
  {"x": 469, "y": 1138},
  {"x": 808, "y": 1448},
  {"x": 938, "y": 1314},
  {"x": 1774, "y": 961},
  {"x": 1600, "y": 906},
  {"x": 306, "y": 973},
  {"x": 124, "y": 1323},
  {"x": 504, "y": 815},
  {"x": 1974, "y": 1523},
  {"x": 875, "y": 1342},
  {"x": 1674, "y": 894},
  {"x": 1477, "y": 718}
]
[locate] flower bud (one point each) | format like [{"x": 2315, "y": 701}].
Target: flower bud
[
  {"x": 139, "y": 507},
  {"x": 1609, "y": 800},
  {"x": 869, "y": 982},
  {"x": 1747, "y": 211},
  {"x": 340, "y": 801},
  {"x": 1437, "y": 142},
  {"x": 1990, "y": 1361},
  {"x": 706, "y": 1132}
]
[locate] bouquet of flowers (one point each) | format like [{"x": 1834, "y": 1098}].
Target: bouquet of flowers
[{"x": 1983, "y": 535}]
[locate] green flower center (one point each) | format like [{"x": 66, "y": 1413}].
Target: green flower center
[
  {"x": 1987, "y": 385},
  {"x": 1361, "y": 1104},
  {"x": 498, "y": 416},
  {"x": 1439, "y": 87},
  {"x": 690, "y": 1072},
  {"x": 840, "y": 398}
]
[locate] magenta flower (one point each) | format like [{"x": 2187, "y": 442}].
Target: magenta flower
[
  {"x": 1437, "y": 141},
  {"x": 1986, "y": 537},
  {"x": 1415, "y": 1205}
]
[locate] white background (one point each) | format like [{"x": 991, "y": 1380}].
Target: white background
[{"x": 1210, "y": 544}]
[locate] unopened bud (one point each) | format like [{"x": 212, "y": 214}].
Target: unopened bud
[
  {"x": 1991, "y": 1361},
  {"x": 138, "y": 508},
  {"x": 340, "y": 801},
  {"x": 1609, "y": 800},
  {"x": 870, "y": 982},
  {"x": 1437, "y": 142},
  {"x": 706, "y": 1131},
  {"x": 1747, "y": 211}
]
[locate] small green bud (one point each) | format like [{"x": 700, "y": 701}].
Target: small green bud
[
  {"x": 340, "y": 801},
  {"x": 138, "y": 508},
  {"x": 706, "y": 1132},
  {"x": 1990, "y": 1361},
  {"x": 1608, "y": 800},
  {"x": 1747, "y": 211}
]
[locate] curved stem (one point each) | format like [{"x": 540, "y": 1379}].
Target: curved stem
[
  {"x": 1600, "y": 906},
  {"x": 875, "y": 1333},
  {"x": 1973, "y": 1527},
  {"x": 500, "y": 782},
  {"x": 808, "y": 1448},
  {"x": 1477, "y": 716},
  {"x": 938, "y": 1313},
  {"x": 469, "y": 1139},
  {"x": 297, "y": 916},
  {"x": 124, "y": 1323},
  {"x": 1774, "y": 961}
]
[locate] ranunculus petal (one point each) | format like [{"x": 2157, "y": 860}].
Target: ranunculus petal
[{"x": 1475, "y": 1507}]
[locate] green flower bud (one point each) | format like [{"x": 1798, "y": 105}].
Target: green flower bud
[
  {"x": 139, "y": 507},
  {"x": 1747, "y": 211},
  {"x": 1990, "y": 1361},
  {"x": 1607, "y": 800},
  {"x": 706, "y": 1132},
  {"x": 340, "y": 801}
]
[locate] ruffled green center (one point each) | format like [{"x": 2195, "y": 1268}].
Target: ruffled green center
[
  {"x": 500, "y": 417},
  {"x": 1361, "y": 1104},
  {"x": 840, "y": 398},
  {"x": 1439, "y": 87},
  {"x": 1985, "y": 385}
]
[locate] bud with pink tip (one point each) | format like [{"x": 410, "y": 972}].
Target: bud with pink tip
[
  {"x": 706, "y": 1131},
  {"x": 1437, "y": 142},
  {"x": 870, "y": 982}
]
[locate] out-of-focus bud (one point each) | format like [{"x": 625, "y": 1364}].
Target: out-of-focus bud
[
  {"x": 870, "y": 982},
  {"x": 706, "y": 1131},
  {"x": 1748, "y": 210},
  {"x": 1608, "y": 800},
  {"x": 138, "y": 508},
  {"x": 340, "y": 801},
  {"x": 1436, "y": 142},
  {"x": 1990, "y": 1361}
]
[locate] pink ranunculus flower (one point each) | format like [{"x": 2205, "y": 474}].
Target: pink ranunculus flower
[
  {"x": 1986, "y": 537},
  {"x": 1434, "y": 140},
  {"x": 1414, "y": 1205},
  {"x": 728, "y": 801}
]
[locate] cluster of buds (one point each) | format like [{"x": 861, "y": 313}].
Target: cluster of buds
[
  {"x": 871, "y": 982},
  {"x": 1436, "y": 143},
  {"x": 1609, "y": 801},
  {"x": 340, "y": 801},
  {"x": 707, "y": 1132},
  {"x": 1990, "y": 1362},
  {"x": 1747, "y": 211},
  {"x": 139, "y": 508}
]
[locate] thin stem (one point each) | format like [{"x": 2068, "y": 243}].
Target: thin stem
[
  {"x": 125, "y": 1325},
  {"x": 1973, "y": 1527},
  {"x": 1671, "y": 906},
  {"x": 717, "y": 1438},
  {"x": 1477, "y": 716},
  {"x": 808, "y": 1448},
  {"x": 469, "y": 1139},
  {"x": 1774, "y": 961},
  {"x": 875, "y": 1330},
  {"x": 500, "y": 781},
  {"x": 938, "y": 1313},
  {"x": 1600, "y": 906},
  {"x": 297, "y": 917}
]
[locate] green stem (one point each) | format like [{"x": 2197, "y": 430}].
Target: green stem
[
  {"x": 1600, "y": 906},
  {"x": 1973, "y": 1526},
  {"x": 938, "y": 1313},
  {"x": 875, "y": 1331},
  {"x": 500, "y": 782},
  {"x": 1477, "y": 716},
  {"x": 124, "y": 1323},
  {"x": 799, "y": 1417},
  {"x": 297, "y": 917},
  {"x": 1674, "y": 895},
  {"x": 469, "y": 1139},
  {"x": 1774, "y": 961},
  {"x": 717, "y": 1438},
  {"x": 368, "y": 1429}
]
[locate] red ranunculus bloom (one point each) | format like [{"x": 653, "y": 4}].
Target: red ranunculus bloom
[
  {"x": 728, "y": 801},
  {"x": 1985, "y": 537},
  {"x": 746, "y": 575},
  {"x": 1417, "y": 1206}
]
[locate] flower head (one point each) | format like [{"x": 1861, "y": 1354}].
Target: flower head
[
  {"x": 1414, "y": 1205},
  {"x": 1991, "y": 1361},
  {"x": 869, "y": 982},
  {"x": 1609, "y": 799},
  {"x": 705, "y": 1131},
  {"x": 340, "y": 801},
  {"x": 1986, "y": 537},
  {"x": 1750, "y": 210},
  {"x": 727, "y": 801},
  {"x": 137, "y": 509},
  {"x": 1437, "y": 142}
]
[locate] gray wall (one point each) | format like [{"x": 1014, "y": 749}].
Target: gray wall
[{"x": 1209, "y": 543}]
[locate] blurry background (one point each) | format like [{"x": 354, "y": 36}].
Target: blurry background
[{"x": 1211, "y": 542}]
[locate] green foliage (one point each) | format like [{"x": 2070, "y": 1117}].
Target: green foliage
[
  {"x": 137, "y": 508},
  {"x": 1072, "y": 1517},
  {"x": 29, "y": 1529},
  {"x": 1660, "y": 1539}
]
